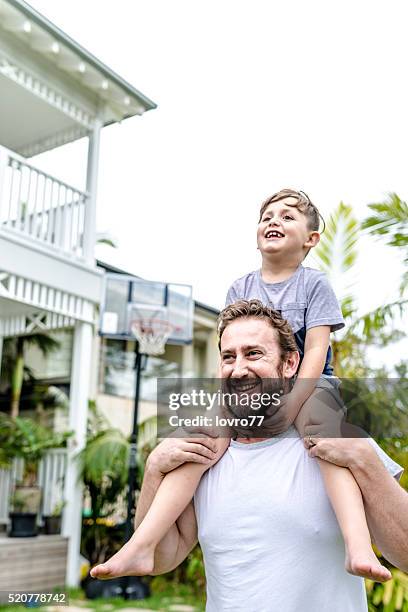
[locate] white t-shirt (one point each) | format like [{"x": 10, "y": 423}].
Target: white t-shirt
[{"x": 270, "y": 539}]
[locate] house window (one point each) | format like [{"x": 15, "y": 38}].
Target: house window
[{"x": 56, "y": 365}]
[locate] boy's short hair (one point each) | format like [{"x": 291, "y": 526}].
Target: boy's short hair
[{"x": 303, "y": 203}]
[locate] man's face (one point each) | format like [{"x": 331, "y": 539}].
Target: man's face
[
  {"x": 283, "y": 229},
  {"x": 251, "y": 360}
]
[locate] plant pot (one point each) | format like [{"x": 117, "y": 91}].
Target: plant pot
[
  {"x": 52, "y": 525},
  {"x": 23, "y": 525}
]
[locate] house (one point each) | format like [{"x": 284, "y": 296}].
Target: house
[
  {"x": 112, "y": 371},
  {"x": 53, "y": 92},
  {"x": 113, "y": 374}
]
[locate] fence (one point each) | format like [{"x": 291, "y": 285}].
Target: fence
[
  {"x": 50, "y": 478},
  {"x": 40, "y": 207}
]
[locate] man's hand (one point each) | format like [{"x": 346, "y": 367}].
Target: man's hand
[
  {"x": 345, "y": 452},
  {"x": 173, "y": 452}
]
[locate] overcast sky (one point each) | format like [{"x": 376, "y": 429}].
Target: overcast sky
[{"x": 252, "y": 96}]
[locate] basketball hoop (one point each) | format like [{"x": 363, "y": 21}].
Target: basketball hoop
[{"x": 151, "y": 334}]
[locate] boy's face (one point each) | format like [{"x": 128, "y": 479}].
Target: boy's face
[{"x": 283, "y": 229}]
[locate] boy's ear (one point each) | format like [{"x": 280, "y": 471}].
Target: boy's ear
[{"x": 313, "y": 239}]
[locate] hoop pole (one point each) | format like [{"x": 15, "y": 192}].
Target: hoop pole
[
  {"x": 127, "y": 581},
  {"x": 132, "y": 474}
]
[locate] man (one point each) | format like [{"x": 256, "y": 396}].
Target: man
[{"x": 268, "y": 533}]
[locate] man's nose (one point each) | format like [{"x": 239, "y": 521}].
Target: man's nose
[{"x": 240, "y": 369}]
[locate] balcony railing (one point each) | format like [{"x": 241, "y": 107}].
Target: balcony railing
[{"x": 39, "y": 207}]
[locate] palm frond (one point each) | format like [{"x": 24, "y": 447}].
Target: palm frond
[
  {"x": 105, "y": 455},
  {"x": 46, "y": 344},
  {"x": 148, "y": 430},
  {"x": 348, "y": 307},
  {"x": 375, "y": 325},
  {"x": 390, "y": 220},
  {"x": 337, "y": 246},
  {"x": 106, "y": 238},
  {"x": 336, "y": 253},
  {"x": 56, "y": 397}
]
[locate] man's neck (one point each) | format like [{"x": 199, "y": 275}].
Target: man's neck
[{"x": 275, "y": 271}]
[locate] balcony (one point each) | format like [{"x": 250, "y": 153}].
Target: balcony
[{"x": 39, "y": 209}]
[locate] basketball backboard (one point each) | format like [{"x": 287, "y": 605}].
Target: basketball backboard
[{"x": 124, "y": 295}]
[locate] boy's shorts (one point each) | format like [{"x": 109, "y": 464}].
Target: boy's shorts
[{"x": 331, "y": 384}]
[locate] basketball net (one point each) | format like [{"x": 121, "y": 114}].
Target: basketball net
[{"x": 151, "y": 334}]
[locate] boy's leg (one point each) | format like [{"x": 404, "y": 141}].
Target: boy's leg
[
  {"x": 136, "y": 557},
  {"x": 344, "y": 494}
]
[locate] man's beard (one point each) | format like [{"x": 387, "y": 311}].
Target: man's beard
[{"x": 261, "y": 400}]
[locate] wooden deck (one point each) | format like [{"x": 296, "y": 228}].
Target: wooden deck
[{"x": 33, "y": 563}]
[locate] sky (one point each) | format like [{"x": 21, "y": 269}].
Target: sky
[{"x": 252, "y": 97}]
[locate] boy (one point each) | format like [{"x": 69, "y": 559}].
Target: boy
[{"x": 288, "y": 228}]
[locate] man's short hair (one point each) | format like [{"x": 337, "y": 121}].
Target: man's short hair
[
  {"x": 254, "y": 309},
  {"x": 302, "y": 202}
]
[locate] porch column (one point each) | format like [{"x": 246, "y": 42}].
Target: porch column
[
  {"x": 3, "y": 166},
  {"x": 78, "y": 410},
  {"x": 212, "y": 355},
  {"x": 187, "y": 365},
  {"x": 1, "y": 350},
  {"x": 91, "y": 187}
]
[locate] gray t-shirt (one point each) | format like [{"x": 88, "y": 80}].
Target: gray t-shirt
[{"x": 305, "y": 299}]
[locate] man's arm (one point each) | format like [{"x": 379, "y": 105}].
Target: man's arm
[
  {"x": 385, "y": 501},
  {"x": 386, "y": 504}
]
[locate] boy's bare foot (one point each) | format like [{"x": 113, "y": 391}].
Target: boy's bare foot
[
  {"x": 130, "y": 560},
  {"x": 367, "y": 566}
]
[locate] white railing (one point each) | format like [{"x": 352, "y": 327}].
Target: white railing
[
  {"x": 51, "y": 473},
  {"x": 40, "y": 207}
]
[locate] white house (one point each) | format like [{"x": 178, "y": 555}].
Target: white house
[{"x": 52, "y": 92}]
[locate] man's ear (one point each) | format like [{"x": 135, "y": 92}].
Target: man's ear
[
  {"x": 290, "y": 365},
  {"x": 313, "y": 239}
]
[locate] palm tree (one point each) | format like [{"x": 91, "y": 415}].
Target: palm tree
[
  {"x": 390, "y": 222},
  {"x": 336, "y": 255},
  {"x": 46, "y": 344}
]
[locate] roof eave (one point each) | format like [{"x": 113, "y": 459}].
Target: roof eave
[{"x": 84, "y": 55}]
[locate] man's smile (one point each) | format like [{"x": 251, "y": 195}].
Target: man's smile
[{"x": 243, "y": 386}]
